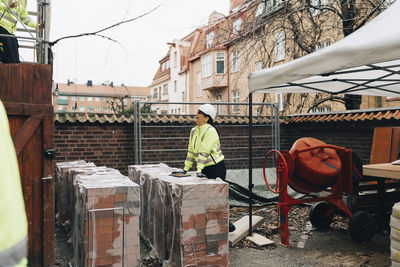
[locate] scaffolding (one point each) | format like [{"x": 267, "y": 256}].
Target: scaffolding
[{"x": 34, "y": 44}]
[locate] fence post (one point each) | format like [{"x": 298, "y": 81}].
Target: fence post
[{"x": 137, "y": 131}]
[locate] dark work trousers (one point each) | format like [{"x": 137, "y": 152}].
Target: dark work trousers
[
  {"x": 8, "y": 48},
  {"x": 214, "y": 171}
]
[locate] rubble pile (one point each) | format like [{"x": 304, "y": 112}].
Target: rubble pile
[{"x": 184, "y": 219}]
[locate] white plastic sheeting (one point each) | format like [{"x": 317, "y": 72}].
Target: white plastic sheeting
[{"x": 367, "y": 62}]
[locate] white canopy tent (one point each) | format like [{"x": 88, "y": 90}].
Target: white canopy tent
[{"x": 365, "y": 62}]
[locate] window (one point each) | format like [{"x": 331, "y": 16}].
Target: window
[
  {"x": 218, "y": 99},
  {"x": 89, "y": 98},
  {"x": 82, "y": 108},
  {"x": 279, "y": 100},
  {"x": 62, "y": 100},
  {"x": 175, "y": 85},
  {"x": 235, "y": 60},
  {"x": 272, "y": 4},
  {"x": 97, "y": 99},
  {"x": 167, "y": 64},
  {"x": 318, "y": 4},
  {"x": 82, "y": 98},
  {"x": 260, "y": 9},
  {"x": 165, "y": 89},
  {"x": 162, "y": 66},
  {"x": 105, "y": 99},
  {"x": 198, "y": 85},
  {"x": 236, "y": 99},
  {"x": 97, "y": 109},
  {"x": 206, "y": 66},
  {"x": 175, "y": 59},
  {"x": 322, "y": 45},
  {"x": 220, "y": 63},
  {"x": 90, "y": 108},
  {"x": 105, "y": 108},
  {"x": 236, "y": 25},
  {"x": 258, "y": 66},
  {"x": 74, "y": 108},
  {"x": 321, "y": 110},
  {"x": 210, "y": 39},
  {"x": 73, "y": 98},
  {"x": 279, "y": 46},
  {"x": 155, "y": 93}
]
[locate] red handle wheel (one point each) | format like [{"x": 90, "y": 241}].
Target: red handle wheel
[{"x": 280, "y": 165}]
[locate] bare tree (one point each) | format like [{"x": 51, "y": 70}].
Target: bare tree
[{"x": 306, "y": 25}]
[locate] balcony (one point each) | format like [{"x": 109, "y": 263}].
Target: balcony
[{"x": 213, "y": 82}]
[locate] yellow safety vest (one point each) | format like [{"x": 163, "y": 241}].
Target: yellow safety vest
[
  {"x": 13, "y": 222},
  {"x": 204, "y": 147},
  {"x": 8, "y": 18}
]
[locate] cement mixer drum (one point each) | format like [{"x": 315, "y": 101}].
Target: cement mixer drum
[{"x": 314, "y": 169}]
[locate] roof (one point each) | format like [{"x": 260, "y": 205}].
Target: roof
[
  {"x": 354, "y": 115},
  {"x": 101, "y": 90},
  {"x": 351, "y": 115},
  {"x": 364, "y": 62}
]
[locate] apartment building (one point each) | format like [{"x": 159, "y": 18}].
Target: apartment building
[
  {"x": 89, "y": 98},
  {"x": 259, "y": 34}
]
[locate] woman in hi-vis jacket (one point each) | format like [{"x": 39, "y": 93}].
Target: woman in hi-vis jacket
[{"x": 205, "y": 149}]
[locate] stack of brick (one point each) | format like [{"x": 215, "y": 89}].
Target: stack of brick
[
  {"x": 106, "y": 223},
  {"x": 63, "y": 201},
  {"x": 184, "y": 219}
]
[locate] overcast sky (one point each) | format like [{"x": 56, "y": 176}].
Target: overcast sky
[{"x": 142, "y": 42}]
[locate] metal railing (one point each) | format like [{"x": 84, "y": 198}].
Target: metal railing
[
  {"x": 270, "y": 137},
  {"x": 31, "y": 40}
]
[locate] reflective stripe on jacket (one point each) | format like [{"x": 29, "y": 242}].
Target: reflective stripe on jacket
[
  {"x": 8, "y": 19},
  {"x": 13, "y": 222},
  {"x": 204, "y": 148}
]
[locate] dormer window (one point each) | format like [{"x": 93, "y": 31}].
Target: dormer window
[
  {"x": 210, "y": 39},
  {"x": 237, "y": 25},
  {"x": 260, "y": 9}
]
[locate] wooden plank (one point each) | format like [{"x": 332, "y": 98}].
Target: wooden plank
[
  {"x": 384, "y": 170},
  {"x": 37, "y": 190},
  {"x": 26, "y": 109},
  {"x": 48, "y": 193},
  {"x": 381, "y": 144},
  {"x": 25, "y": 132},
  {"x": 395, "y": 148},
  {"x": 5, "y": 82}
]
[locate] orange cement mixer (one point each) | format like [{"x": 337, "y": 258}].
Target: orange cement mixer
[{"x": 313, "y": 166}]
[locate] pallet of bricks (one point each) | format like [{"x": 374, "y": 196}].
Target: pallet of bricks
[
  {"x": 104, "y": 205},
  {"x": 185, "y": 219}
]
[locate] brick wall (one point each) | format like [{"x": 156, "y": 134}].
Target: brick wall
[{"x": 112, "y": 145}]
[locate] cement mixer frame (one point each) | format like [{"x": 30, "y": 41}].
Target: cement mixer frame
[{"x": 362, "y": 225}]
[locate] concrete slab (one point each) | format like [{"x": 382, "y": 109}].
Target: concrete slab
[
  {"x": 260, "y": 240},
  {"x": 242, "y": 228}
]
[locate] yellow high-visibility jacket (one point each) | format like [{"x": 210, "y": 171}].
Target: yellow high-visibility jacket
[
  {"x": 13, "y": 222},
  {"x": 8, "y": 19},
  {"x": 204, "y": 148}
]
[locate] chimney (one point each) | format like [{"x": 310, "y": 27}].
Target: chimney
[
  {"x": 68, "y": 82},
  {"x": 214, "y": 17},
  {"x": 89, "y": 83},
  {"x": 235, "y": 4},
  {"x": 112, "y": 84}
]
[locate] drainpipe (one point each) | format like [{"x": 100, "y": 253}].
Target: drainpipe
[{"x": 228, "y": 77}]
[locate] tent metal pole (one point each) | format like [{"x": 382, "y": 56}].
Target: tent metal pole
[{"x": 250, "y": 162}]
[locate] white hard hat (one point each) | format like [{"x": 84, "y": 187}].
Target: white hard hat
[{"x": 208, "y": 110}]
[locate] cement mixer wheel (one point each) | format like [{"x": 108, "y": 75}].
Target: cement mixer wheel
[
  {"x": 362, "y": 226},
  {"x": 319, "y": 217}
]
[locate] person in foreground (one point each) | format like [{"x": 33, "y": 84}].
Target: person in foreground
[
  {"x": 205, "y": 148},
  {"x": 13, "y": 222}
]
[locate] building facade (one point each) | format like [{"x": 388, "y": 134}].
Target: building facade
[
  {"x": 258, "y": 34},
  {"x": 89, "y": 98}
]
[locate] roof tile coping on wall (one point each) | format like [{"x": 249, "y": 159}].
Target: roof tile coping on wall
[
  {"x": 76, "y": 117},
  {"x": 349, "y": 115}
]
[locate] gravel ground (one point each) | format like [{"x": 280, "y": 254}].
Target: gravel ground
[{"x": 331, "y": 247}]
